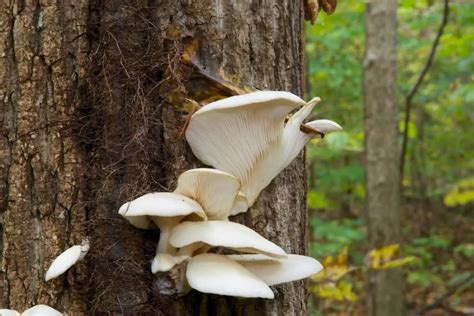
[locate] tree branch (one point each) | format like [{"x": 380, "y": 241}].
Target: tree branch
[{"x": 409, "y": 96}]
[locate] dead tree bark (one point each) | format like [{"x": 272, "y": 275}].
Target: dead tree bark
[
  {"x": 92, "y": 103},
  {"x": 382, "y": 155}
]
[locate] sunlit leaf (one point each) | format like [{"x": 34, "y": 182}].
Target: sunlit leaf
[{"x": 387, "y": 258}]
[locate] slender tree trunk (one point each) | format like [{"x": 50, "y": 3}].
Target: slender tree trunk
[
  {"x": 92, "y": 98},
  {"x": 381, "y": 143}
]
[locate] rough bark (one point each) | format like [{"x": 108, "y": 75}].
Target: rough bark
[
  {"x": 381, "y": 145},
  {"x": 141, "y": 67},
  {"x": 41, "y": 191},
  {"x": 85, "y": 134}
]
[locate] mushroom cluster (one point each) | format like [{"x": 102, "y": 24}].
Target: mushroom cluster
[{"x": 249, "y": 139}]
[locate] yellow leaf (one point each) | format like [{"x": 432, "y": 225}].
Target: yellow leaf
[
  {"x": 334, "y": 268},
  {"x": 397, "y": 263},
  {"x": 341, "y": 291},
  {"x": 462, "y": 193},
  {"x": 385, "y": 257},
  {"x": 341, "y": 258}
]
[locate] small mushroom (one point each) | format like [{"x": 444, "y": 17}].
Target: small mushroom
[
  {"x": 9, "y": 312},
  {"x": 213, "y": 189},
  {"x": 324, "y": 126},
  {"x": 247, "y": 136},
  {"x": 41, "y": 310},
  {"x": 66, "y": 260},
  {"x": 164, "y": 210},
  {"x": 192, "y": 235},
  {"x": 272, "y": 272},
  {"x": 216, "y": 274}
]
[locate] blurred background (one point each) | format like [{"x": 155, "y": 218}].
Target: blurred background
[{"x": 437, "y": 199}]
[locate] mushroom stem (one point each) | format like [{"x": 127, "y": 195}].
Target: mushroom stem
[
  {"x": 166, "y": 224},
  {"x": 163, "y": 245}
]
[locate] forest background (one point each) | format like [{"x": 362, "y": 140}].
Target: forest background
[{"x": 437, "y": 249}]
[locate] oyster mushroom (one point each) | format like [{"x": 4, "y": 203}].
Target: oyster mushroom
[
  {"x": 164, "y": 210},
  {"x": 272, "y": 272},
  {"x": 213, "y": 189},
  {"x": 190, "y": 236},
  {"x": 41, "y": 310},
  {"x": 66, "y": 260},
  {"x": 9, "y": 312},
  {"x": 216, "y": 274},
  {"x": 247, "y": 136}
]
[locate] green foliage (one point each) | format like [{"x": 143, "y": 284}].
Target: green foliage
[
  {"x": 317, "y": 200},
  {"x": 440, "y": 159},
  {"x": 331, "y": 237},
  {"x": 466, "y": 250},
  {"x": 424, "y": 278},
  {"x": 441, "y": 127}
]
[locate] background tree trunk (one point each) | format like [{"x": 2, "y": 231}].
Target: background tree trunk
[
  {"x": 93, "y": 98},
  {"x": 381, "y": 145}
]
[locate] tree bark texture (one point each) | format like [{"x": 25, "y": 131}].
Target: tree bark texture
[
  {"x": 41, "y": 187},
  {"x": 92, "y": 116},
  {"x": 381, "y": 146}
]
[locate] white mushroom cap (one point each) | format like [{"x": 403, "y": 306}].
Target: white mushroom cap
[
  {"x": 213, "y": 189},
  {"x": 9, "y": 312},
  {"x": 246, "y": 136},
  {"x": 324, "y": 126},
  {"x": 41, "y": 310},
  {"x": 233, "y": 133},
  {"x": 165, "y": 210},
  {"x": 156, "y": 206},
  {"x": 215, "y": 274},
  {"x": 223, "y": 234},
  {"x": 66, "y": 260},
  {"x": 252, "y": 257},
  {"x": 272, "y": 271}
]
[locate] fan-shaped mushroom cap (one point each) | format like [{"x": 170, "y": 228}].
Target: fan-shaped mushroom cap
[
  {"x": 9, "y": 312},
  {"x": 223, "y": 234},
  {"x": 157, "y": 207},
  {"x": 41, "y": 310},
  {"x": 66, "y": 260},
  {"x": 246, "y": 136},
  {"x": 271, "y": 271},
  {"x": 324, "y": 126},
  {"x": 213, "y": 189},
  {"x": 211, "y": 273},
  {"x": 165, "y": 210}
]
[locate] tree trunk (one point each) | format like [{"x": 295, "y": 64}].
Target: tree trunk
[
  {"x": 381, "y": 145},
  {"x": 41, "y": 189},
  {"x": 93, "y": 98}
]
